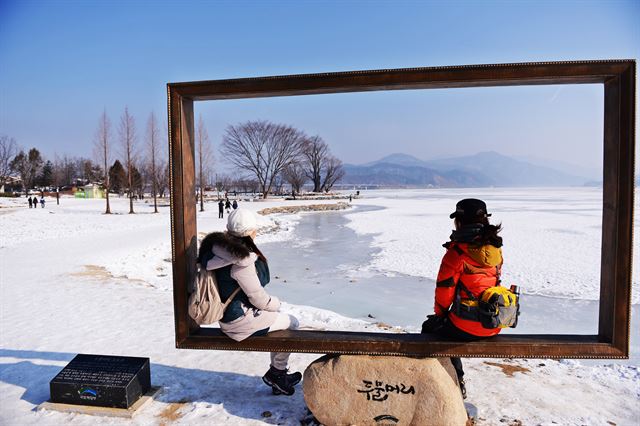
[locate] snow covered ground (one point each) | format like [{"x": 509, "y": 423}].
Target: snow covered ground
[{"x": 76, "y": 281}]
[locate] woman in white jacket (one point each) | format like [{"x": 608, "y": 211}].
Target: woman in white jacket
[{"x": 237, "y": 262}]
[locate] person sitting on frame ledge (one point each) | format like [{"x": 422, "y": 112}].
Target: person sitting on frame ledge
[
  {"x": 470, "y": 266},
  {"x": 237, "y": 262}
]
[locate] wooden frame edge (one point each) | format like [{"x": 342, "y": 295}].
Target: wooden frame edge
[{"x": 618, "y": 78}]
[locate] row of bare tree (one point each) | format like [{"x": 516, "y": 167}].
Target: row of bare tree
[
  {"x": 266, "y": 156},
  {"x": 272, "y": 151},
  {"x": 35, "y": 171},
  {"x": 143, "y": 164},
  {"x": 135, "y": 157}
]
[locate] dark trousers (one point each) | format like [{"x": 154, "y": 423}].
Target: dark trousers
[
  {"x": 451, "y": 331},
  {"x": 220, "y": 214}
]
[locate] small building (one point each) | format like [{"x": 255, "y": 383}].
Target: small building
[
  {"x": 12, "y": 184},
  {"x": 89, "y": 191}
]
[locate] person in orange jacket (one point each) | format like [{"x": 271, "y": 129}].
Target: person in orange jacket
[{"x": 471, "y": 264}]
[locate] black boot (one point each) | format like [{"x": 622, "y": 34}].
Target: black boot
[
  {"x": 281, "y": 381},
  {"x": 463, "y": 388}
]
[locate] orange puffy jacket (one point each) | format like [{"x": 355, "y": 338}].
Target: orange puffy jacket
[{"x": 478, "y": 268}]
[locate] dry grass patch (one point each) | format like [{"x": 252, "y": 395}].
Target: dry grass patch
[
  {"x": 384, "y": 326},
  {"x": 172, "y": 412},
  {"x": 509, "y": 369},
  {"x": 100, "y": 273},
  {"x": 94, "y": 271}
]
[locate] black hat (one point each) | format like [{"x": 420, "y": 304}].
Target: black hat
[{"x": 470, "y": 209}]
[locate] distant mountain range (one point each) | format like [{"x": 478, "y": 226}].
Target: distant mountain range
[{"x": 479, "y": 170}]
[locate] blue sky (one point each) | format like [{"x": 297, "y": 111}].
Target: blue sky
[{"x": 62, "y": 62}]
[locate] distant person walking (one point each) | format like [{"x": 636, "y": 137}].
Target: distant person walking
[
  {"x": 42, "y": 201},
  {"x": 235, "y": 204},
  {"x": 30, "y": 203},
  {"x": 35, "y": 202},
  {"x": 221, "y": 209},
  {"x": 227, "y": 206}
]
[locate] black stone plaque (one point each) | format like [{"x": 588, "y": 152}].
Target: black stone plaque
[{"x": 102, "y": 380}]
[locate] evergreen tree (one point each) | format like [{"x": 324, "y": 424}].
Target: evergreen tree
[
  {"x": 46, "y": 176},
  {"x": 137, "y": 183},
  {"x": 117, "y": 177}
]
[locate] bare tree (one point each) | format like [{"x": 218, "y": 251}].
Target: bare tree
[
  {"x": 210, "y": 179},
  {"x": 153, "y": 148},
  {"x": 102, "y": 153},
  {"x": 89, "y": 171},
  {"x": 244, "y": 185},
  {"x": 295, "y": 176},
  {"x": 320, "y": 165},
  {"x": 127, "y": 132},
  {"x": 8, "y": 150},
  {"x": 223, "y": 182},
  {"x": 278, "y": 184},
  {"x": 204, "y": 155},
  {"x": 75, "y": 171},
  {"x": 27, "y": 165},
  {"x": 333, "y": 172},
  {"x": 315, "y": 152},
  {"x": 59, "y": 171},
  {"x": 262, "y": 148},
  {"x": 162, "y": 177}
]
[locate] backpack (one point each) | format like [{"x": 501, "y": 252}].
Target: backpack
[
  {"x": 205, "y": 304},
  {"x": 497, "y": 307}
]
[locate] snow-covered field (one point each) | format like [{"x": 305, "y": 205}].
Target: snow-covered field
[{"x": 76, "y": 281}]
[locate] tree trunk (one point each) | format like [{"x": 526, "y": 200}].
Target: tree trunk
[
  {"x": 155, "y": 201},
  {"x": 154, "y": 183},
  {"x": 106, "y": 179}
]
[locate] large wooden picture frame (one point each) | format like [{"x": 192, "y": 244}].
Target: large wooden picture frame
[{"x": 612, "y": 341}]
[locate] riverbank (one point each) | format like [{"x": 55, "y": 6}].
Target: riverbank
[{"x": 304, "y": 208}]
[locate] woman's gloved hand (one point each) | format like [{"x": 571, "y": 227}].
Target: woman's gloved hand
[{"x": 432, "y": 324}]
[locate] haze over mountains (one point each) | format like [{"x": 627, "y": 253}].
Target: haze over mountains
[{"x": 479, "y": 170}]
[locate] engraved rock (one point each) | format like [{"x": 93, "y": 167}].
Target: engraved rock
[{"x": 383, "y": 390}]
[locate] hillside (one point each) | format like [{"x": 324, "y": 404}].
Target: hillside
[{"x": 478, "y": 170}]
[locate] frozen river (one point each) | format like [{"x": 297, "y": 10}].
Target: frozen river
[{"x": 325, "y": 265}]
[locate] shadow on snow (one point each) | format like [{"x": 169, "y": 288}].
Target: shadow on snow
[{"x": 239, "y": 394}]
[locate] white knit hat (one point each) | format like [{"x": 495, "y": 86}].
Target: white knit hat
[{"x": 242, "y": 222}]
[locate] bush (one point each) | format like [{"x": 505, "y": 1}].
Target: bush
[{"x": 9, "y": 194}]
